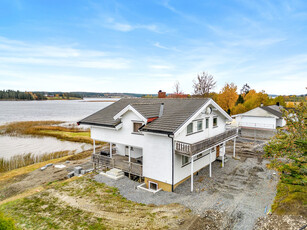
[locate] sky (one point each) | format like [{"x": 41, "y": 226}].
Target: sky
[{"x": 144, "y": 46}]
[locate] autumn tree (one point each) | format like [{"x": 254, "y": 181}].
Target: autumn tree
[
  {"x": 228, "y": 96},
  {"x": 245, "y": 89},
  {"x": 177, "y": 88},
  {"x": 239, "y": 108},
  {"x": 203, "y": 84}
]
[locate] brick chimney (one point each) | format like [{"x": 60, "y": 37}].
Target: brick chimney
[{"x": 161, "y": 94}]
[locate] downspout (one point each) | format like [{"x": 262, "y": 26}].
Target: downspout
[{"x": 172, "y": 137}]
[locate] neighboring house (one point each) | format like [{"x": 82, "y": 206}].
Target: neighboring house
[
  {"x": 260, "y": 122},
  {"x": 163, "y": 141}
]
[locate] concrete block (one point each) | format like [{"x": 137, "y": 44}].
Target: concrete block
[
  {"x": 70, "y": 175},
  {"x": 83, "y": 172},
  {"x": 77, "y": 170}
]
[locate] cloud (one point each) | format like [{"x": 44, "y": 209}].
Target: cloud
[
  {"x": 160, "y": 67},
  {"x": 113, "y": 24},
  {"x": 18, "y": 52}
]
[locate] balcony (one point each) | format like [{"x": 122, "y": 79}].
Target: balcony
[
  {"x": 187, "y": 149},
  {"x": 134, "y": 167}
]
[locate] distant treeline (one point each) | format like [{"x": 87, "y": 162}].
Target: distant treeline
[{"x": 18, "y": 95}]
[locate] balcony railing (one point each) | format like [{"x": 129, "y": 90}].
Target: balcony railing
[
  {"x": 119, "y": 163},
  {"x": 191, "y": 149}
]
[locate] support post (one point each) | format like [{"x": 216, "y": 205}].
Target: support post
[
  {"x": 94, "y": 147},
  {"x": 224, "y": 152},
  {"x": 192, "y": 161},
  {"x": 129, "y": 152},
  {"x": 111, "y": 149},
  {"x": 234, "y": 147},
  {"x": 210, "y": 167}
]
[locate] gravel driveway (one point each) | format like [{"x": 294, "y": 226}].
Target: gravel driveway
[{"x": 241, "y": 191}]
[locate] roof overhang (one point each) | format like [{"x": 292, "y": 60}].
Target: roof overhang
[{"x": 129, "y": 108}]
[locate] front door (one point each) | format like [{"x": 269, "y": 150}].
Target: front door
[{"x": 217, "y": 151}]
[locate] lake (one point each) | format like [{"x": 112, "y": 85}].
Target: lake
[{"x": 63, "y": 110}]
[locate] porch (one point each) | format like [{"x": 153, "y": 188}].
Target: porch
[
  {"x": 132, "y": 166},
  {"x": 205, "y": 151},
  {"x": 190, "y": 150}
]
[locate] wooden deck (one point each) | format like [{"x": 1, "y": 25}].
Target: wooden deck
[
  {"x": 119, "y": 162},
  {"x": 191, "y": 149}
]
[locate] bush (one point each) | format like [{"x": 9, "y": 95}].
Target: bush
[{"x": 6, "y": 223}]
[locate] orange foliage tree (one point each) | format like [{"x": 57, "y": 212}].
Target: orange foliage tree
[{"x": 228, "y": 96}]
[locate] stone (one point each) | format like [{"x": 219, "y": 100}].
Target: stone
[
  {"x": 77, "y": 170},
  {"x": 70, "y": 175}
]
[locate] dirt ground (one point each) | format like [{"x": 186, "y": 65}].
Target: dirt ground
[{"x": 22, "y": 183}]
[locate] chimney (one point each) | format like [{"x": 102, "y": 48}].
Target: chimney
[
  {"x": 277, "y": 103},
  {"x": 161, "y": 94},
  {"x": 161, "y": 109},
  {"x": 261, "y": 105}
]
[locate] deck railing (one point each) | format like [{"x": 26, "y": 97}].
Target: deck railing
[
  {"x": 191, "y": 149},
  {"x": 128, "y": 167}
]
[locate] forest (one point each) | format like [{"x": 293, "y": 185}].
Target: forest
[{"x": 18, "y": 95}]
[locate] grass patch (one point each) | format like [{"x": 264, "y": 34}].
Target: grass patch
[
  {"x": 48, "y": 128},
  {"x": 6, "y": 223},
  {"x": 86, "y": 204},
  {"x": 291, "y": 199}
]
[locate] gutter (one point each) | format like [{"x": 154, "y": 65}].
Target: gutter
[
  {"x": 172, "y": 137},
  {"x": 95, "y": 124}
]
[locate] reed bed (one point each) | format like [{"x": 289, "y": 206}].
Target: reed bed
[
  {"x": 47, "y": 128},
  {"x": 23, "y": 160}
]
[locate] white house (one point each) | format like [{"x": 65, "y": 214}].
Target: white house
[
  {"x": 261, "y": 121},
  {"x": 164, "y": 141}
]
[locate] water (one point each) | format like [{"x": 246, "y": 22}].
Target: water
[
  {"x": 63, "y": 110},
  {"x": 11, "y": 146}
]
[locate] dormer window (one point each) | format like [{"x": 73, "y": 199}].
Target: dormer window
[{"x": 136, "y": 126}]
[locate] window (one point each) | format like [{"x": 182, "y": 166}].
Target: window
[
  {"x": 207, "y": 123},
  {"x": 215, "y": 122},
  {"x": 190, "y": 128},
  {"x": 153, "y": 186},
  {"x": 199, "y": 125},
  {"x": 184, "y": 160},
  {"x": 136, "y": 126}
]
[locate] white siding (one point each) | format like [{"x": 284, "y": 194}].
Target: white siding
[
  {"x": 123, "y": 136},
  {"x": 156, "y": 149},
  {"x": 257, "y": 122},
  {"x": 280, "y": 122},
  {"x": 181, "y": 172},
  {"x": 157, "y": 158},
  {"x": 206, "y": 133}
]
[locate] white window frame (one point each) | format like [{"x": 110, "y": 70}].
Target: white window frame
[
  {"x": 184, "y": 163},
  {"x": 151, "y": 182},
  {"x": 202, "y": 127},
  {"x": 214, "y": 126},
  {"x": 192, "y": 124},
  {"x": 138, "y": 132},
  {"x": 207, "y": 123}
]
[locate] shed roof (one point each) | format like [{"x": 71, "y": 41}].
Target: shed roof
[{"x": 273, "y": 109}]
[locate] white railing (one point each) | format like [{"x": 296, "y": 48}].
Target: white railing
[
  {"x": 191, "y": 149},
  {"x": 256, "y": 125}
]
